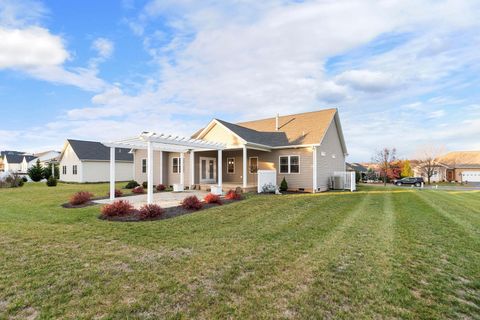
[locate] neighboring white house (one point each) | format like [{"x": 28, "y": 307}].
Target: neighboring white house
[
  {"x": 45, "y": 157},
  {"x": 16, "y": 162},
  {"x": 89, "y": 161}
]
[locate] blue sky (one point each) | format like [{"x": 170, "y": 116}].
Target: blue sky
[{"x": 402, "y": 73}]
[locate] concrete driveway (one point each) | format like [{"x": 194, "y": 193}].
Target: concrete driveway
[{"x": 163, "y": 199}]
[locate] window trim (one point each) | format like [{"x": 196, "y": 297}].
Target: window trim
[
  {"x": 64, "y": 169},
  {"x": 231, "y": 158},
  {"x": 144, "y": 171},
  {"x": 180, "y": 166},
  {"x": 250, "y": 165},
  {"x": 74, "y": 169},
  {"x": 288, "y": 156}
]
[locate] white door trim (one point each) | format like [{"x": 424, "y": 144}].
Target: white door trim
[{"x": 208, "y": 180}]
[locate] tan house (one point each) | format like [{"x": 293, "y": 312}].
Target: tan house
[
  {"x": 305, "y": 149},
  {"x": 458, "y": 166}
]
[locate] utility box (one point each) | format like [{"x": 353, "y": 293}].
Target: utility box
[{"x": 266, "y": 178}]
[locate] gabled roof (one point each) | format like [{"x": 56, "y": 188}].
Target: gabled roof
[
  {"x": 96, "y": 151},
  {"x": 461, "y": 159},
  {"x": 294, "y": 130},
  {"x": 356, "y": 167},
  {"x": 18, "y": 158}
]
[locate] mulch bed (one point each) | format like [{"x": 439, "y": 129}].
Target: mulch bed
[
  {"x": 169, "y": 213},
  {"x": 68, "y": 205}
]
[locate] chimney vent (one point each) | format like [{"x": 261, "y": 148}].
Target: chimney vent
[{"x": 276, "y": 123}]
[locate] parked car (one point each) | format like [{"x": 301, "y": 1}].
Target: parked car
[{"x": 416, "y": 181}]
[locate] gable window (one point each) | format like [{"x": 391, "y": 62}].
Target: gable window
[
  {"x": 64, "y": 169},
  {"x": 74, "y": 169},
  {"x": 289, "y": 164},
  {"x": 231, "y": 165},
  {"x": 253, "y": 164},
  {"x": 144, "y": 165},
  {"x": 176, "y": 165}
]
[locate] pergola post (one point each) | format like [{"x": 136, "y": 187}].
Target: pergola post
[
  {"x": 53, "y": 169},
  {"x": 161, "y": 167},
  {"x": 220, "y": 171},
  {"x": 314, "y": 177},
  {"x": 182, "y": 174},
  {"x": 192, "y": 168},
  {"x": 244, "y": 166},
  {"x": 149, "y": 172},
  {"x": 112, "y": 173}
]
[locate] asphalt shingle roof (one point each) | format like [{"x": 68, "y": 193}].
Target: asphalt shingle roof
[
  {"x": 92, "y": 150},
  {"x": 18, "y": 158}
]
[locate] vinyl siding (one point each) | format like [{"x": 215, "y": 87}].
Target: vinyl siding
[
  {"x": 326, "y": 164},
  {"x": 99, "y": 171},
  {"x": 69, "y": 159}
]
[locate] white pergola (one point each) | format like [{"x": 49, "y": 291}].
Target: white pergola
[{"x": 161, "y": 142}]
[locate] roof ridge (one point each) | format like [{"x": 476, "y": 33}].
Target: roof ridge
[{"x": 289, "y": 115}]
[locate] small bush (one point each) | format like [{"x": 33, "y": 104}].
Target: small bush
[
  {"x": 283, "y": 185},
  {"x": 117, "y": 208},
  {"x": 150, "y": 211},
  {"x": 145, "y": 184},
  {"x": 51, "y": 181},
  {"x": 232, "y": 195},
  {"x": 131, "y": 184},
  {"x": 212, "y": 198},
  {"x": 24, "y": 179},
  {"x": 161, "y": 187},
  {"x": 118, "y": 193},
  {"x": 80, "y": 197},
  {"x": 138, "y": 190},
  {"x": 20, "y": 183},
  {"x": 192, "y": 203}
]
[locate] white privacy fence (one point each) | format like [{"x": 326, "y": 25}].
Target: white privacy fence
[
  {"x": 344, "y": 180},
  {"x": 266, "y": 179}
]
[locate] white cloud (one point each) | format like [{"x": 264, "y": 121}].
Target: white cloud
[
  {"x": 104, "y": 47},
  {"x": 30, "y": 48},
  {"x": 366, "y": 80}
]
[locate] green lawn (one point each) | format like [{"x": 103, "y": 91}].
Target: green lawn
[{"x": 377, "y": 253}]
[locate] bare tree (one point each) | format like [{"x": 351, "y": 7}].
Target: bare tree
[
  {"x": 428, "y": 160},
  {"x": 384, "y": 159}
]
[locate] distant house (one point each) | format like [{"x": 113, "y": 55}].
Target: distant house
[
  {"x": 15, "y": 161},
  {"x": 459, "y": 166},
  {"x": 88, "y": 161},
  {"x": 357, "y": 167},
  {"x": 45, "y": 157}
]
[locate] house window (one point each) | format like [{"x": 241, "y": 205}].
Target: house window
[
  {"x": 64, "y": 169},
  {"x": 289, "y": 164},
  {"x": 231, "y": 165},
  {"x": 144, "y": 165},
  {"x": 253, "y": 164},
  {"x": 176, "y": 165},
  {"x": 74, "y": 169}
]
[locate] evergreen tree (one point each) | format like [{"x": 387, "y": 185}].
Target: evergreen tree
[
  {"x": 47, "y": 171},
  {"x": 36, "y": 172},
  {"x": 283, "y": 185},
  {"x": 407, "y": 169}
]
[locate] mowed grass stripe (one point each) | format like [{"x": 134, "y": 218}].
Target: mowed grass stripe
[{"x": 433, "y": 269}]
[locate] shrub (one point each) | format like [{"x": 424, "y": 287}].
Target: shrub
[
  {"x": 51, "y": 181},
  {"x": 80, "y": 197},
  {"x": 117, "y": 208},
  {"x": 131, "y": 184},
  {"x": 161, "y": 187},
  {"x": 191, "y": 203},
  {"x": 150, "y": 211},
  {"x": 284, "y": 185},
  {"x": 232, "y": 195},
  {"x": 24, "y": 179},
  {"x": 212, "y": 198},
  {"x": 19, "y": 183},
  {"x": 118, "y": 193},
  {"x": 36, "y": 171},
  {"x": 145, "y": 184},
  {"x": 138, "y": 190}
]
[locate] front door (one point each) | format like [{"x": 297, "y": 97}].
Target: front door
[{"x": 208, "y": 169}]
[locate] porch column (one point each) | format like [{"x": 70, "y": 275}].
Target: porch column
[
  {"x": 182, "y": 175},
  {"x": 149, "y": 172},
  {"x": 244, "y": 166},
  {"x": 53, "y": 170},
  {"x": 220, "y": 167},
  {"x": 112, "y": 173},
  {"x": 192, "y": 168},
  {"x": 314, "y": 177},
  {"x": 161, "y": 167}
]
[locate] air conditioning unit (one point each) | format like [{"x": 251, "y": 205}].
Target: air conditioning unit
[{"x": 337, "y": 183}]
